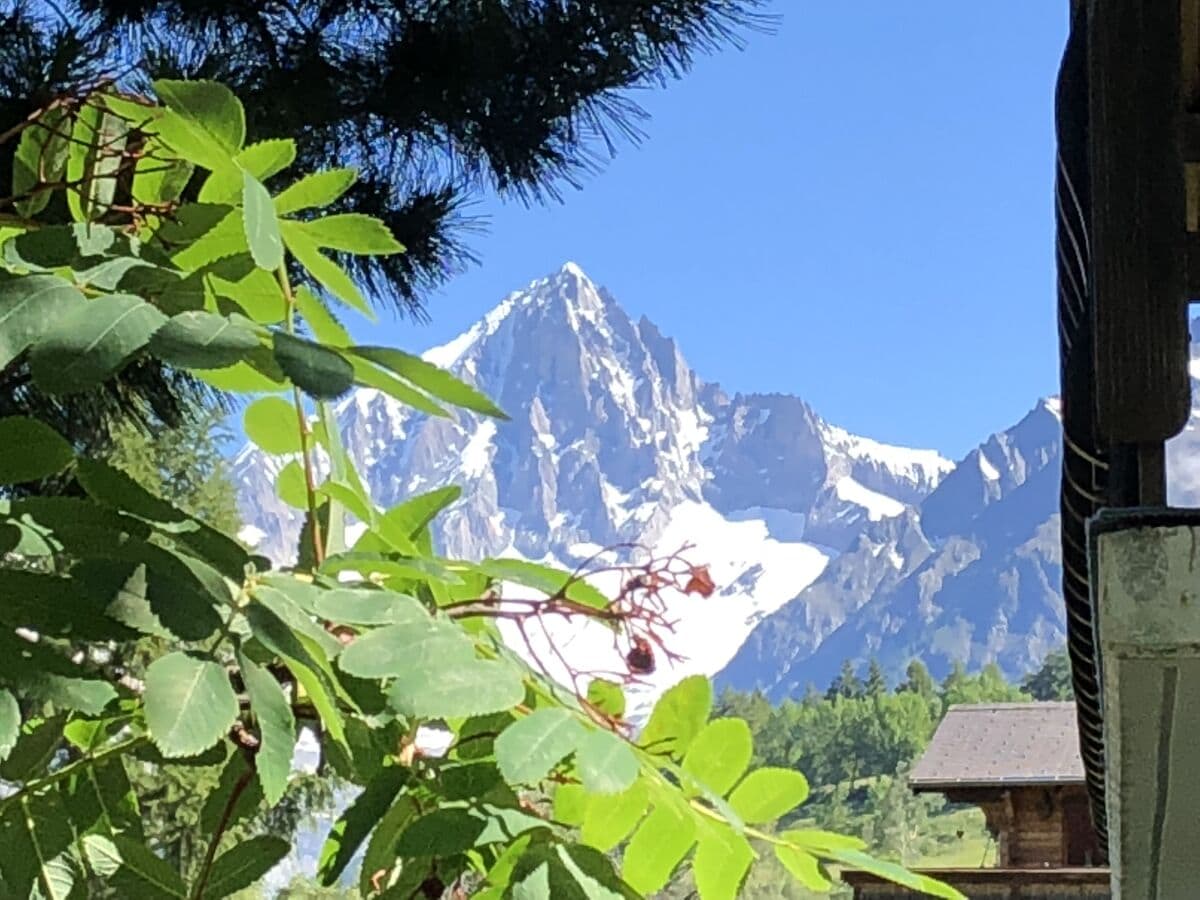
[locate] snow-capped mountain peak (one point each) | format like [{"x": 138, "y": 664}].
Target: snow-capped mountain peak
[{"x": 614, "y": 440}]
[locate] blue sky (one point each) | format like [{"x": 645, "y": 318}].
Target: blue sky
[{"x": 856, "y": 209}]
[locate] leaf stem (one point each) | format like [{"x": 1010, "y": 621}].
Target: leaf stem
[
  {"x": 310, "y": 480},
  {"x": 210, "y": 854},
  {"x": 71, "y": 768}
]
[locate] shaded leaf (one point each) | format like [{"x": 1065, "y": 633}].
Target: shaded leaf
[
  {"x": 30, "y": 305},
  {"x": 139, "y": 873},
  {"x": 276, "y": 727},
  {"x": 33, "y": 833},
  {"x": 363, "y": 607},
  {"x": 471, "y": 689},
  {"x": 356, "y": 822},
  {"x": 244, "y": 864},
  {"x": 531, "y": 747},
  {"x": 32, "y": 450},
  {"x": 10, "y": 723},
  {"x": 317, "y": 370},
  {"x": 420, "y": 643},
  {"x": 92, "y": 342},
  {"x": 202, "y": 340},
  {"x": 189, "y": 704},
  {"x": 35, "y": 671}
]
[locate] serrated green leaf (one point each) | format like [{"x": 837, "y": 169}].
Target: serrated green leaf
[
  {"x": 276, "y": 727},
  {"x": 35, "y": 671},
  {"x": 291, "y": 486},
  {"x": 468, "y": 689},
  {"x": 206, "y": 235},
  {"x": 273, "y": 424},
  {"x": 570, "y": 804},
  {"x": 678, "y": 716},
  {"x": 262, "y": 226},
  {"x": 381, "y": 852},
  {"x": 30, "y": 306},
  {"x": 189, "y": 704},
  {"x": 804, "y": 867},
  {"x": 610, "y": 819},
  {"x": 139, "y": 873},
  {"x": 546, "y": 579},
  {"x": 606, "y": 763},
  {"x": 367, "y": 374},
  {"x": 33, "y": 450},
  {"x": 321, "y": 322},
  {"x": 315, "y": 190},
  {"x": 530, "y": 748},
  {"x": 10, "y": 723},
  {"x": 722, "y": 860},
  {"x": 92, "y": 342},
  {"x": 356, "y": 822},
  {"x": 317, "y": 370},
  {"x": 607, "y": 696},
  {"x": 819, "y": 841},
  {"x": 101, "y": 800},
  {"x": 158, "y": 179},
  {"x": 279, "y": 600},
  {"x": 352, "y": 233},
  {"x": 435, "y": 381},
  {"x": 204, "y": 121},
  {"x": 768, "y": 793},
  {"x": 324, "y": 271},
  {"x": 275, "y": 634},
  {"x": 657, "y": 848},
  {"x": 399, "y": 649},
  {"x": 720, "y": 754},
  {"x": 201, "y": 340},
  {"x": 557, "y": 872},
  {"x": 262, "y": 160},
  {"x": 363, "y": 607},
  {"x": 244, "y": 864},
  {"x": 895, "y": 873},
  {"x": 56, "y": 607}
]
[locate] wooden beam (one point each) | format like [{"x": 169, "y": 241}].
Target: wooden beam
[{"x": 1139, "y": 219}]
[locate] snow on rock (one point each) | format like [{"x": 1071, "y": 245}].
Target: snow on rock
[{"x": 877, "y": 505}]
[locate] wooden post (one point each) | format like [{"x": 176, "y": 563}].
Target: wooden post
[{"x": 1139, "y": 219}]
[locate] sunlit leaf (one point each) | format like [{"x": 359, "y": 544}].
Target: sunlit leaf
[
  {"x": 261, "y": 160},
  {"x": 363, "y": 607},
  {"x": 205, "y": 122},
  {"x": 607, "y": 696},
  {"x": 605, "y": 762},
  {"x": 273, "y": 424},
  {"x": 321, "y": 322},
  {"x": 678, "y": 716},
  {"x": 324, "y": 270},
  {"x": 435, "y": 381},
  {"x": 720, "y": 754},
  {"x": 429, "y": 644},
  {"x": 768, "y": 793},
  {"x": 612, "y": 818},
  {"x": 352, "y": 233},
  {"x": 262, "y": 226},
  {"x": 722, "y": 860},
  {"x": 803, "y": 866},
  {"x": 545, "y": 579},
  {"x": 657, "y": 848},
  {"x": 315, "y": 190}
]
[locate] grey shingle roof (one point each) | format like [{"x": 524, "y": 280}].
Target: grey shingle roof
[{"x": 1002, "y": 744}]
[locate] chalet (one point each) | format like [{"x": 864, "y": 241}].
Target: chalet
[{"x": 1020, "y": 763}]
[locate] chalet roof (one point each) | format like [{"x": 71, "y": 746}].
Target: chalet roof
[{"x": 1002, "y": 745}]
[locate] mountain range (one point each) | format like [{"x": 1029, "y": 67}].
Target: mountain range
[{"x": 824, "y": 545}]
